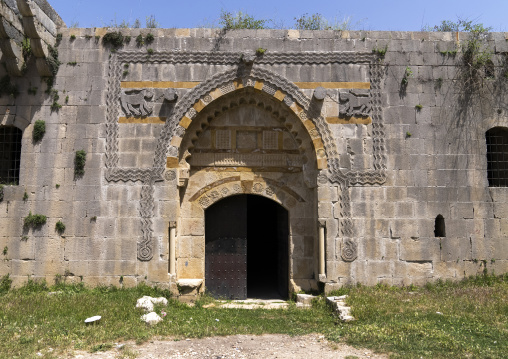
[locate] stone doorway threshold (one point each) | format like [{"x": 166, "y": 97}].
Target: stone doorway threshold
[
  {"x": 256, "y": 304},
  {"x": 302, "y": 301}
]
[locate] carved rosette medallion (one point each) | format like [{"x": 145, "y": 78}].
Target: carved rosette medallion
[
  {"x": 349, "y": 251},
  {"x": 258, "y": 187},
  {"x": 145, "y": 251}
]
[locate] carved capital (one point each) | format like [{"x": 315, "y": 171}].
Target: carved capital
[
  {"x": 172, "y": 224},
  {"x": 322, "y": 223}
]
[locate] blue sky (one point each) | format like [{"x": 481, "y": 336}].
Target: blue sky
[{"x": 395, "y": 15}]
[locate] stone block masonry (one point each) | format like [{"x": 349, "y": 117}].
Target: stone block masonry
[{"x": 396, "y": 174}]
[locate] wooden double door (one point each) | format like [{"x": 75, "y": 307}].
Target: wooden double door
[{"x": 247, "y": 249}]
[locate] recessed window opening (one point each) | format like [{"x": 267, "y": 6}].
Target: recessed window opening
[
  {"x": 497, "y": 156},
  {"x": 439, "y": 227},
  {"x": 10, "y": 154}
]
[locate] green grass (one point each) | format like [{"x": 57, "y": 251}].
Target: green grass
[
  {"x": 406, "y": 323},
  {"x": 400, "y": 321}
]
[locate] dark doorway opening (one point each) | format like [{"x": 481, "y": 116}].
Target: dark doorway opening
[
  {"x": 246, "y": 251},
  {"x": 439, "y": 226}
]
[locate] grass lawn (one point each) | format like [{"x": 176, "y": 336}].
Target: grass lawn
[{"x": 472, "y": 319}]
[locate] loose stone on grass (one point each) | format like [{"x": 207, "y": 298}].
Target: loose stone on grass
[
  {"x": 151, "y": 318},
  {"x": 339, "y": 305},
  {"x": 146, "y": 302}
]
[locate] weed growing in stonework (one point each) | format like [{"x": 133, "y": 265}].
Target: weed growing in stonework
[
  {"x": 1, "y": 192},
  {"x": 260, "y": 51},
  {"x": 240, "y": 20},
  {"x": 52, "y": 60},
  {"x": 55, "y": 106},
  {"x": 407, "y": 74},
  {"x": 149, "y": 38},
  {"x": 114, "y": 39},
  {"x": 34, "y": 220},
  {"x": 476, "y": 54},
  {"x": 73, "y": 37},
  {"x": 151, "y": 23},
  {"x": 5, "y": 250},
  {"x": 139, "y": 40},
  {"x": 79, "y": 163},
  {"x": 60, "y": 227},
  {"x": 380, "y": 51},
  {"x": 149, "y": 51},
  {"x": 39, "y": 130},
  {"x": 25, "y": 197},
  {"x": 418, "y": 107}
]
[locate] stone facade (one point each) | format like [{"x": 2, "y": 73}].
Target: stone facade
[{"x": 364, "y": 149}]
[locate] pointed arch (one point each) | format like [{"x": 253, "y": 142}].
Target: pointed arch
[{"x": 259, "y": 79}]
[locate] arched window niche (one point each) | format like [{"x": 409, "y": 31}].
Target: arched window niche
[{"x": 439, "y": 227}]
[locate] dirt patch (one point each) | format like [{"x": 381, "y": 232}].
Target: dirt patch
[{"x": 238, "y": 347}]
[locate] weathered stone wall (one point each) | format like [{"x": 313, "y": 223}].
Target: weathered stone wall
[{"x": 368, "y": 166}]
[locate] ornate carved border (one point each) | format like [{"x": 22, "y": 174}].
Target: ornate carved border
[
  {"x": 225, "y": 82},
  {"x": 265, "y": 187}
]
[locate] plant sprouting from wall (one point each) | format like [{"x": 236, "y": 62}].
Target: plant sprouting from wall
[
  {"x": 151, "y": 23},
  {"x": 380, "y": 51},
  {"x": 1, "y": 192},
  {"x": 240, "y": 20},
  {"x": 476, "y": 54},
  {"x": 408, "y": 73},
  {"x": 260, "y": 51},
  {"x": 319, "y": 22},
  {"x": 79, "y": 163},
  {"x": 34, "y": 220},
  {"x": 55, "y": 106},
  {"x": 39, "y": 130},
  {"x": 52, "y": 60},
  {"x": 59, "y": 227},
  {"x": 139, "y": 40},
  {"x": 149, "y": 38},
  {"x": 115, "y": 39}
]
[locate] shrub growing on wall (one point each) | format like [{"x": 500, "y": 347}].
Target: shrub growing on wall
[
  {"x": 34, "y": 220},
  {"x": 39, "y": 130},
  {"x": 79, "y": 163}
]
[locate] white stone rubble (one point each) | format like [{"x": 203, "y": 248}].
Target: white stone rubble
[
  {"x": 147, "y": 302},
  {"x": 151, "y": 318},
  {"x": 339, "y": 304}
]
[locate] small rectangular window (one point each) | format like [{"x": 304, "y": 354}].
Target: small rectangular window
[
  {"x": 497, "y": 157},
  {"x": 10, "y": 154}
]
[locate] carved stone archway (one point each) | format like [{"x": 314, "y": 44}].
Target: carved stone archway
[{"x": 241, "y": 75}]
